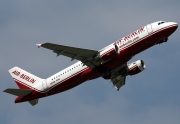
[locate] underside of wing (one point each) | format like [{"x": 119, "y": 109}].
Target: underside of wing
[
  {"x": 83, "y": 55},
  {"x": 118, "y": 81},
  {"x": 118, "y": 77}
]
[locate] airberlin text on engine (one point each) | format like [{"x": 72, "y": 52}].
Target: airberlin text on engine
[
  {"x": 23, "y": 76},
  {"x": 130, "y": 38}
]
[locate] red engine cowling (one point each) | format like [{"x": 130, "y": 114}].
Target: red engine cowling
[
  {"x": 108, "y": 53},
  {"x": 136, "y": 67}
]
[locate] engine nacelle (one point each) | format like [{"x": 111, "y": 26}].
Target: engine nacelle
[
  {"x": 107, "y": 53},
  {"x": 136, "y": 67}
]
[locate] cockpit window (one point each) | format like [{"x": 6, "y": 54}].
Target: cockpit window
[{"x": 160, "y": 23}]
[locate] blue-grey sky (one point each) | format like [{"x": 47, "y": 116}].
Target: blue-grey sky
[{"x": 152, "y": 96}]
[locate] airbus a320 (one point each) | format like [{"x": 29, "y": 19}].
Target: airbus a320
[{"x": 109, "y": 63}]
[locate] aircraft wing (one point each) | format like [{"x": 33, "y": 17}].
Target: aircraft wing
[
  {"x": 118, "y": 81},
  {"x": 118, "y": 77},
  {"x": 84, "y": 55}
]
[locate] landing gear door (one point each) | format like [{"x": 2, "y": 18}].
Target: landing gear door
[
  {"x": 44, "y": 85},
  {"x": 149, "y": 28}
]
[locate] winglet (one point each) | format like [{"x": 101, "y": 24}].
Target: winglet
[{"x": 39, "y": 45}]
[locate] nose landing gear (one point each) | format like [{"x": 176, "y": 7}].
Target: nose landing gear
[{"x": 164, "y": 40}]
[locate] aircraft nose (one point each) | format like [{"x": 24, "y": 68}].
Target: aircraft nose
[{"x": 174, "y": 26}]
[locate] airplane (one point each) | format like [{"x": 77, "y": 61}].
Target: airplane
[{"x": 109, "y": 63}]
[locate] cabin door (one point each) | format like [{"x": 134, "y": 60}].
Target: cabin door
[
  {"x": 149, "y": 29},
  {"x": 44, "y": 85}
]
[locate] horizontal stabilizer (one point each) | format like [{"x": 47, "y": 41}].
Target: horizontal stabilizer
[
  {"x": 18, "y": 92},
  {"x": 33, "y": 102}
]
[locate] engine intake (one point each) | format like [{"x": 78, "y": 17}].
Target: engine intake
[{"x": 136, "y": 67}]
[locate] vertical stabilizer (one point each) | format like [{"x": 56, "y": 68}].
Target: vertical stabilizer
[
  {"x": 24, "y": 79},
  {"x": 28, "y": 83}
]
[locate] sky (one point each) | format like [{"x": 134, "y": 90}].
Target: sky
[{"x": 152, "y": 96}]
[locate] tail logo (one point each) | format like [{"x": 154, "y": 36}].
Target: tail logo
[
  {"x": 17, "y": 73},
  {"x": 24, "y": 76}
]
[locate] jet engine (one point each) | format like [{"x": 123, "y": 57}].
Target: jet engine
[
  {"x": 130, "y": 69},
  {"x": 136, "y": 67},
  {"x": 107, "y": 53}
]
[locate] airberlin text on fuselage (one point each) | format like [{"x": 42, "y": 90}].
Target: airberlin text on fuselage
[
  {"x": 23, "y": 76},
  {"x": 130, "y": 38}
]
